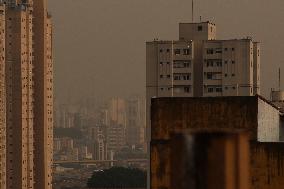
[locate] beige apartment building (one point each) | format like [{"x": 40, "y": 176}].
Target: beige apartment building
[
  {"x": 26, "y": 101},
  {"x": 200, "y": 65}
]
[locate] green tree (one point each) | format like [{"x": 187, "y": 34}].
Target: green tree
[{"x": 118, "y": 177}]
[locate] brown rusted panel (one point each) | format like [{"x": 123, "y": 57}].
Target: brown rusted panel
[
  {"x": 160, "y": 165},
  {"x": 174, "y": 115},
  {"x": 267, "y": 163},
  {"x": 200, "y": 161}
]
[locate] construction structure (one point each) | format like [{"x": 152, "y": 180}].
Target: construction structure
[
  {"x": 26, "y": 121},
  {"x": 240, "y": 138}
]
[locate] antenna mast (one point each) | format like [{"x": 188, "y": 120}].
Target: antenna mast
[
  {"x": 192, "y": 6},
  {"x": 279, "y": 80}
]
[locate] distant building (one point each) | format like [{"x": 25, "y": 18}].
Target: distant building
[
  {"x": 135, "y": 120},
  {"x": 117, "y": 111},
  {"x": 116, "y": 139},
  {"x": 100, "y": 148}
]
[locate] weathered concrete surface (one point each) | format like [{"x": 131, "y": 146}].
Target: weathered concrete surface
[
  {"x": 181, "y": 116},
  {"x": 175, "y": 115},
  {"x": 267, "y": 165},
  {"x": 189, "y": 161}
]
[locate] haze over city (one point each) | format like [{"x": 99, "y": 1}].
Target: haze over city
[{"x": 99, "y": 46}]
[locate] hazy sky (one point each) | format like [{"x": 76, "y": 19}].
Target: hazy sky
[{"x": 99, "y": 46}]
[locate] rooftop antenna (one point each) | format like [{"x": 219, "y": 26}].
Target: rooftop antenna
[
  {"x": 279, "y": 79},
  {"x": 192, "y": 6}
]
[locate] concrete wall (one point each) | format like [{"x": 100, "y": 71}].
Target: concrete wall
[{"x": 268, "y": 122}]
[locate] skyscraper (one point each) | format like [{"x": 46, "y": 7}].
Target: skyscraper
[
  {"x": 43, "y": 98},
  {"x": 2, "y": 101},
  {"x": 27, "y": 97}
]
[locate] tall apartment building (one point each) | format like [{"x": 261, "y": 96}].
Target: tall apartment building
[
  {"x": 19, "y": 96},
  {"x": 26, "y": 101},
  {"x": 200, "y": 65},
  {"x": 2, "y": 100},
  {"x": 43, "y": 98}
]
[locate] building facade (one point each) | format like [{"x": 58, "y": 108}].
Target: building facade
[{"x": 26, "y": 95}]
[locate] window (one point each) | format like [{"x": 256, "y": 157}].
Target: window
[
  {"x": 233, "y": 62},
  {"x": 168, "y": 76},
  {"x": 219, "y": 89},
  {"x": 199, "y": 28},
  {"x": 218, "y": 50},
  {"x": 182, "y": 64},
  {"x": 210, "y": 51},
  {"x": 209, "y": 75},
  {"x": 226, "y": 75},
  {"x": 210, "y": 89},
  {"x": 168, "y": 50},
  {"x": 161, "y": 76},
  {"x": 233, "y": 75},
  {"x": 226, "y": 62},
  {"x": 219, "y": 63},
  {"x": 177, "y": 51},
  {"x": 233, "y": 49},
  {"x": 226, "y": 49},
  {"x": 186, "y": 51},
  {"x": 187, "y": 89},
  {"x": 161, "y": 50}
]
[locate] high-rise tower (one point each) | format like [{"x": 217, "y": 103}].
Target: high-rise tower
[
  {"x": 19, "y": 96},
  {"x": 26, "y": 95},
  {"x": 2, "y": 101},
  {"x": 43, "y": 85}
]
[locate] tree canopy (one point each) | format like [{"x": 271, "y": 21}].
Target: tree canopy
[{"x": 118, "y": 177}]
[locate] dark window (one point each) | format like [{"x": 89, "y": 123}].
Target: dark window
[
  {"x": 226, "y": 49},
  {"x": 226, "y": 75},
  {"x": 218, "y": 89},
  {"x": 161, "y": 50},
  {"x": 177, "y": 51},
  {"x": 210, "y": 90},
  {"x": 209, "y": 75},
  {"x": 186, "y": 51},
  {"x": 168, "y": 50},
  {"x": 210, "y": 51},
  {"x": 199, "y": 28},
  {"x": 233, "y": 49}
]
